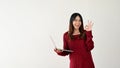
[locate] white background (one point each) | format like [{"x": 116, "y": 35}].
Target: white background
[{"x": 25, "y": 27}]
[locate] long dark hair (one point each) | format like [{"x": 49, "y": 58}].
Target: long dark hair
[{"x": 71, "y": 27}]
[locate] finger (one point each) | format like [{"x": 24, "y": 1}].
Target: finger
[
  {"x": 92, "y": 24},
  {"x": 88, "y": 22}
]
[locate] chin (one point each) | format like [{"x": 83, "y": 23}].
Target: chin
[{"x": 77, "y": 28}]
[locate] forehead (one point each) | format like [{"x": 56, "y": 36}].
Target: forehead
[{"x": 77, "y": 17}]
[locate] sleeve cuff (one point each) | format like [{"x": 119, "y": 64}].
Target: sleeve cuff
[{"x": 89, "y": 33}]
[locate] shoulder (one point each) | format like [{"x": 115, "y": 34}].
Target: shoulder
[{"x": 65, "y": 35}]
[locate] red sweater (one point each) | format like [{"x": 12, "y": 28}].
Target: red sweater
[{"x": 81, "y": 56}]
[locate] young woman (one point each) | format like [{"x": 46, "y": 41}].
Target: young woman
[{"x": 79, "y": 40}]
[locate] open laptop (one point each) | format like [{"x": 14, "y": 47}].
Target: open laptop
[{"x": 58, "y": 48}]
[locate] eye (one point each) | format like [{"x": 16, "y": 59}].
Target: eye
[{"x": 77, "y": 20}]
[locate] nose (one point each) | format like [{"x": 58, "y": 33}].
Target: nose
[{"x": 77, "y": 22}]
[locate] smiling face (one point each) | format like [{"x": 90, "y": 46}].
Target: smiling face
[{"x": 77, "y": 23}]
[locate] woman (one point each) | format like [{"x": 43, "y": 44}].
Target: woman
[{"x": 79, "y": 40}]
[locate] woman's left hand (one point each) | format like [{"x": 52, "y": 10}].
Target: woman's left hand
[{"x": 88, "y": 27}]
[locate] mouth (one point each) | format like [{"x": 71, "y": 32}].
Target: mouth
[{"x": 77, "y": 25}]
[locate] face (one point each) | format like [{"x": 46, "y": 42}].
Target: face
[{"x": 77, "y": 23}]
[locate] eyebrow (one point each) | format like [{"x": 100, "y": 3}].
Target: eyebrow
[{"x": 77, "y": 19}]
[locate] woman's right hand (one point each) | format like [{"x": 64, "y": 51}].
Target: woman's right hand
[{"x": 58, "y": 50}]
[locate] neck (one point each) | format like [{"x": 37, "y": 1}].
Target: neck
[{"x": 76, "y": 31}]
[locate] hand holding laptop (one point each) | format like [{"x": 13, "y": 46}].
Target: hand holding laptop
[
  {"x": 58, "y": 50},
  {"x": 61, "y": 50}
]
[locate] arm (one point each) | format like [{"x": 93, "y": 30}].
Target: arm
[
  {"x": 89, "y": 42},
  {"x": 65, "y": 46}
]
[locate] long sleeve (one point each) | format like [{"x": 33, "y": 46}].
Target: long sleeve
[
  {"x": 65, "y": 46},
  {"x": 89, "y": 42}
]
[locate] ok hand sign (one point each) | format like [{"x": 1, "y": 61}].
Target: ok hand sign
[{"x": 88, "y": 27}]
